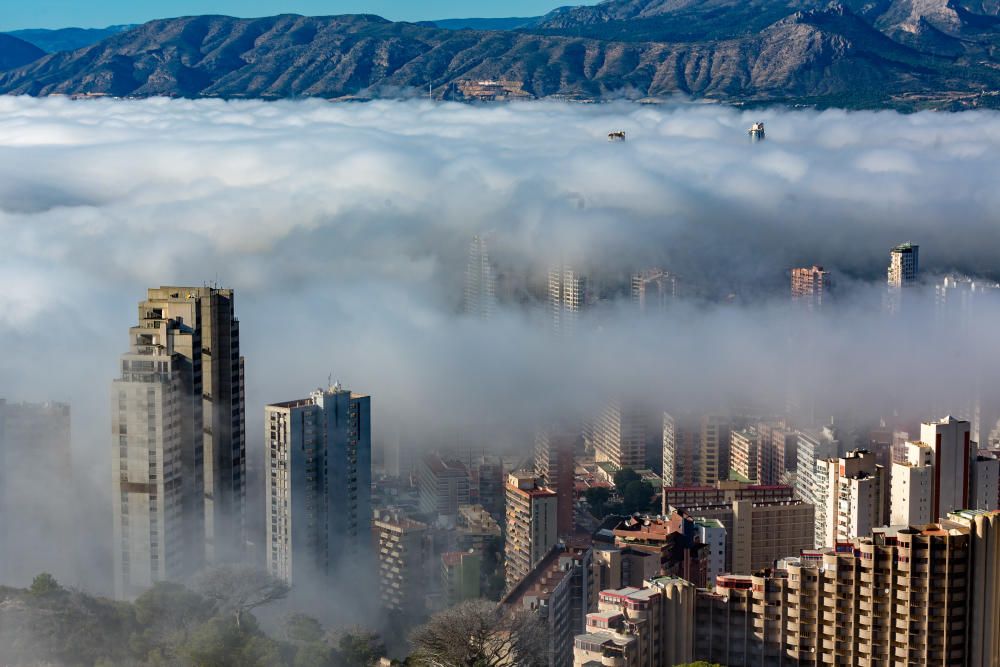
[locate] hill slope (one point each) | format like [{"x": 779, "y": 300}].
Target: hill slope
[
  {"x": 638, "y": 48},
  {"x": 16, "y": 52}
]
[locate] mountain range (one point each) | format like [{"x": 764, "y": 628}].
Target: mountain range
[{"x": 856, "y": 53}]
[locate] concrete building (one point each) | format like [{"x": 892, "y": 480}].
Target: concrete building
[
  {"x": 567, "y": 298},
  {"x": 903, "y": 273},
  {"x": 810, "y": 287},
  {"x": 722, "y": 631},
  {"x": 555, "y": 464},
  {"x": 812, "y": 481},
  {"x": 158, "y": 464},
  {"x": 984, "y": 493},
  {"x": 758, "y": 533},
  {"x": 778, "y": 448},
  {"x": 620, "y": 565},
  {"x": 486, "y": 485},
  {"x": 318, "y": 495},
  {"x": 714, "y": 446},
  {"x": 653, "y": 290},
  {"x": 444, "y": 486},
  {"x": 984, "y": 591},
  {"x": 675, "y": 541},
  {"x": 857, "y": 498},
  {"x": 723, "y": 493},
  {"x": 38, "y": 498},
  {"x": 558, "y": 589},
  {"x": 620, "y": 436},
  {"x": 531, "y": 525},
  {"x": 480, "y": 282},
  {"x": 711, "y": 532},
  {"x": 745, "y": 454},
  {"x": 953, "y": 457},
  {"x": 913, "y": 487},
  {"x": 403, "y": 552},
  {"x": 681, "y": 451}
]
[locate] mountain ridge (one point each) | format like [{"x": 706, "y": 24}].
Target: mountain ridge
[{"x": 895, "y": 53}]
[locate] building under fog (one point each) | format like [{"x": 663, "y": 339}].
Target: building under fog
[
  {"x": 620, "y": 436},
  {"x": 567, "y": 297},
  {"x": 37, "y": 494},
  {"x": 810, "y": 287},
  {"x": 903, "y": 274},
  {"x": 480, "y": 281},
  {"x": 653, "y": 290},
  {"x": 318, "y": 495}
]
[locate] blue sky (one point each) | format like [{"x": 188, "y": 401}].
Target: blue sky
[{"x": 99, "y": 13}]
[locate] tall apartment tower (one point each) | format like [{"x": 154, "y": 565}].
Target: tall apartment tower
[
  {"x": 681, "y": 451},
  {"x": 653, "y": 290},
  {"x": 954, "y": 455},
  {"x": 857, "y": 497},
  {"x": 531, "y": 525},
  {"x": 903, "y": 273},
  {"x": 913, "y": 487},
  {"x": 555, "y": 463},
  {"x": 810, "y": 286},
  {"x": 480, "y": 282},
  {"x": 812, "y": 481},
  {"x": 715, "y": 453},
  {"x": 37, "y": 496},
  {"x": 567, "y": 298},
  {"x": 745, "y": 454},
  {"x": 404, "y": 554},
  {"x": 159, "y": 449},
  {"x": 218, "y": 377},
  {"x": 318, "y": 504},
  {"x": 620, "y": 436}
]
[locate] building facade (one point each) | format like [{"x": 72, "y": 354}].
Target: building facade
[
  {"x": 857, "y": 497},
  {"x": 318, "y": 500},
  {"x": 532, "y": 528},
  {"x": 810, "y": 287},
  {"x": 620, "y": 436}
]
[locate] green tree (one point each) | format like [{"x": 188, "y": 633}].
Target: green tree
[
  {"x": 636, "y": 496},
  {"x": 357, "y": 647},
  {"x": 303, "y": 628},
  {"x": 624, "y": 477},
  {"x": 44, "y": 584},
  {"x": 237, "y": 589},
  {"x": 597, "y": 498}
]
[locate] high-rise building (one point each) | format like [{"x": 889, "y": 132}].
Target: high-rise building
[
  {"x": 778, "y": 445},
  {"x": 681, "y": 451},
  {"x": 460, "y": 576},
  {"x": 745, "y": 454},
  {"x": 857, "y": 496},
  {"x": 653, "y": 290},
  {"x": 723, "y": 493},
  {"x": 404, "y": 559},
  {"x": 620, "y": 436},
  {"x": 532, "y": 528},
  {"x": 913, "y": 486},
  {"x": 158, "y": 468},
  {"x": 206, "y": 337},
  {"x": 758, "y": 533},
  {"x": 566, "y": 299},
  {"x": 715, "y": 459},
  {"x": 810, "y": 287},
  {"x": 555, "y": 463},
  {"x": 903, "y": 273},
  {"x": 954, "y": 455},
  {"x": 37, "y": 495},
  {"x": 480, "y": 283},
  {"x": 318, "y": 498},
  {"x": 984, "y": 493},
  {"x": 812, "y": 480},
  {"x": 444, "y": 486}
]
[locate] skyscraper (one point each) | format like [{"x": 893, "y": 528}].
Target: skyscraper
[
  {"x": 913, "y": 486},
  {"x": 903, "y": 273},
  {"x": 715, "y": 455},
  {"x": 812, "y": 480},
  {"x": 857, "y": 496},
  {"x": 480, "y": 282},
  {"x": 745, "y": 448},
  {"x": 653, "y": 290},
  {"x": 158, "y": 466},
  {"x": 681, "y": 451},
  {"x": 318, "y": 457},
  {"x": 566, "y": 299},
  {"x": 531, "y": 525},
  {"x": 206, "y": 317},
  {"x": 555, "y": 450},
  {"x": 620, "y": 436},
  {"x": 953, "y": 457},
  {"x": 810, "y": 286}
]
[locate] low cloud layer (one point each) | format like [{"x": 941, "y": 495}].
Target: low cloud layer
[{"x": 344, "y": 230}]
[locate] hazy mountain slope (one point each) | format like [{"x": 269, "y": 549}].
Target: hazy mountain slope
[
  {"x": 16, "y": 52},
  {"x": 512, "y": 23},
  {"x": 67, "y": 39}
]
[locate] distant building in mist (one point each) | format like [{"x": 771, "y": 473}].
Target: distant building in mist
[
  {"x": 555, "y": 464},
  {"x": 810, "y": 287},
  {"x": 480, "y": 281},
  {"x": 443, "y": 485},
  {"x": 903, "y": 273},
  {"x": 620, "y": 436},
  {"x": 653, "y": 290},
  {"x": 745, "y": 456},
  {"x": 532, "y": 528},
  {"x": 567, "y": 297},
  {"x": 37, "y": 494},
  {"x": 318, "y": 496},
  {"x": 715, "y": 449}
]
